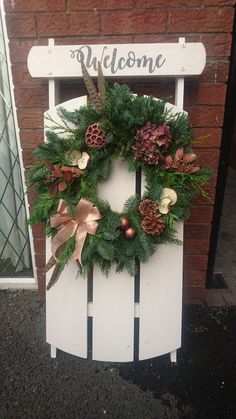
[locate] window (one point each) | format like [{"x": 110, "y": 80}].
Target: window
[{"x": 15, "y": 251}]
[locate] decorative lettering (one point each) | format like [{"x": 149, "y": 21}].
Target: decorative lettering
[{"x": 115, "y": 62}]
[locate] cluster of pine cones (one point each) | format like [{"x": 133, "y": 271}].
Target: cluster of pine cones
[{"x": 152, "y": 222}]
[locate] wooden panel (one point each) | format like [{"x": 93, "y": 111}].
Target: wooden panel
[
  {"x": 113, "y": 297},
  {"x": 66, "y": 319},
  {"x": 161, "y": 301},
  {"x": 161, "y": 291},
  {"x": 66, "y": 302},
  {"x": 129, "y": 60}
]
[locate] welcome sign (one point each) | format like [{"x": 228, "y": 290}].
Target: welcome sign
[{"x": 170, "y": 59}]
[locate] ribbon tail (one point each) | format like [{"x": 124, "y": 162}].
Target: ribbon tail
[
  {"x": 63, "y": 235},
  {"x": 79, "y": 244}
]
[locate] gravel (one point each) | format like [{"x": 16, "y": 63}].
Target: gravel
[
  {"x": 35, "y": 386},
  {"x": 32, "y": 385}
]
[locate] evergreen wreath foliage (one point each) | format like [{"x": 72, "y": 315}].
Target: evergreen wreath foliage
[{"x": 126, "y": 120}]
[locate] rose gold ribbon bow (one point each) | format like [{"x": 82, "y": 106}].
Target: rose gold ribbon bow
[{"x": 82, "y": 223}]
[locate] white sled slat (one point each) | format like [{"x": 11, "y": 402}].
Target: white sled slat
[
  {"x": 66, "y": 324},
  {"x": 161, "y": 293},
  {"x": 161, "y": 301},
  {"x": 113, "y": 297}
]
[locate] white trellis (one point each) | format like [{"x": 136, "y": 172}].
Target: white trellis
[{"x": 122, "y": 325}]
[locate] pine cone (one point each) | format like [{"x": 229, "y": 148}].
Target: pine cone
[
  {"x": 95, "y": 137},
  {"x": 151, "y": 141},
  {"x": 153, "y": 225},
  {"x": 148, "y": 207}
]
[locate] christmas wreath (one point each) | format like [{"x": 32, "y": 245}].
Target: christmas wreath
[{"x": 78, "y": 155}]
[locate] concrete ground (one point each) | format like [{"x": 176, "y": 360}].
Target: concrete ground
[{"x": 226, "y": 248}]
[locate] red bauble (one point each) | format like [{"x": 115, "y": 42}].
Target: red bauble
[
  {"x": 130, "y": 233},
  {"x": 124, "y": 223}
]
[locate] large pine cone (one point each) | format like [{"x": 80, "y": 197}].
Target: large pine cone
[
  {"x": 151, "y": 141},
  {"x": 148, "y": 207},
  {"x": 95, "y": 137},
  {"x": 153, "y": 225}
]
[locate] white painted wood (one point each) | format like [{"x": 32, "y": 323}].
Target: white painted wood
[
  {"x": 179, "y": 84},
  {"x": 66, "y": 303},
  {"x": 53, "y": 85},
  {"x": 129, "y": 60},
  {"x": 161, "y": 292},
  {"x": 161, "y": 301},
  {"x": 113, "y": 308},
  {"x": 113, "y": 297},
  {"x": 66, "y": 318},
  {"x": 53, "y": 351},
  {"x": 18, "y": 283},
  {"x": 179, "y": 92},
  {"x": 113, "y": 317},
  {"x": 173, "y": 356}
]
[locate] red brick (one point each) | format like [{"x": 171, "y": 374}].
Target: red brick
[
  {"x": 27, "y": 158},
  {"x": 32, "y": 97},
  {"x": 218, "y": 2},
  {"x": 215, "y": 71},
  {"x": 81, "y": 40},
  {"x": 194, "y": 294},
  {"x": 201, "y": 200},
  {"x": 41, "y": 283},
  {"x": 208, "y": 158},
  {"x": 216, "y": 45},
  {"x": 193, "y": 278},
  {"x": 30, "y": 118},
  {"x": 149, "y": 38},
  {"x": 40, "y": 261},
  {"x": 20, "y": 26},
  {"x": 197, "y": 231},
  {"x": 59, "y": 24},
  {"x": 34, "y": 6},
  {"x": 211, "y": 94},
  {"x": 201, "y": 20},
  {"x": 206, "y": 116},
  {"x": 201, "y": 214},
  {"x": 134, "y": 22},
  {"x": 145, "y": 4},
  {"x": 19, "y": 49},
  {"x": 39, "y": 246},
  {"x": 198, "y": 262},
  {"x": 160, "y": 89},
  {"x": 31, "y": 138},
  {"x": 38, "y": 231},
  {"x": 22, "y": 77},
  {"x": 207, "y": 137},
  {"x": 32, "y": 196},
  {"x": 196, "y": 246},
  {"x": 100, "y": 4}
]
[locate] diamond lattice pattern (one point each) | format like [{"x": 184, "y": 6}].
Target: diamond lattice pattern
[{"x": 15, "y": 258}]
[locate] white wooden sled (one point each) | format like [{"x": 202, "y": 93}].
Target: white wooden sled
[{"x": 125, "y": 319}]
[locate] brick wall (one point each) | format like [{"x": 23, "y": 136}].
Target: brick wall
[{"x": 31, "y": 22}]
